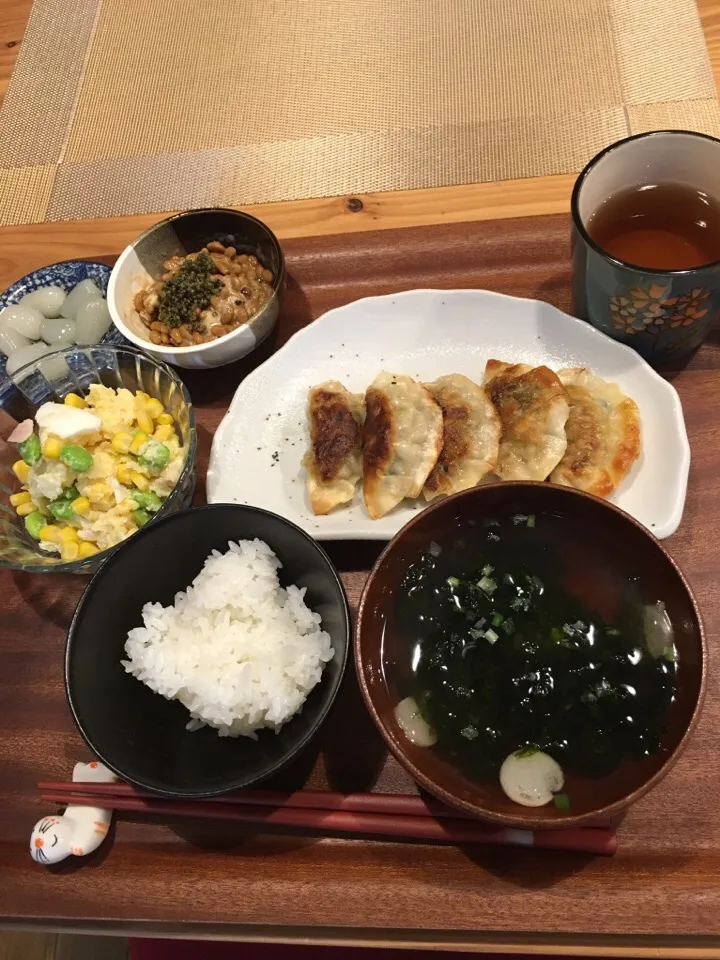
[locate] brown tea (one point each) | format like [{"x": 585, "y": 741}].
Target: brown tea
[{"x": 664, "y": 226}]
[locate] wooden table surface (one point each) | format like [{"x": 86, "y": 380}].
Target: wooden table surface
[
  {"x": 27, "y": 247},
  {"x": 566, "y": 909}
]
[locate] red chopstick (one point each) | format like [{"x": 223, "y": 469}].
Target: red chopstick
[
  {"x": 395, "y": 803},
  {"x": 416, "y": 826}
]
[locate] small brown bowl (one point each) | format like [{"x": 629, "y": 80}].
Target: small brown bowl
[{"x": 380, "y": 661}]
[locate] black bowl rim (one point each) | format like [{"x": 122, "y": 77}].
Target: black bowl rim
[
  {"x": 87, "y": 597},
  {"x": 522, "y": 820}
]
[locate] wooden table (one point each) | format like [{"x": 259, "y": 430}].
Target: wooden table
[{"x": 665, "y": 902}]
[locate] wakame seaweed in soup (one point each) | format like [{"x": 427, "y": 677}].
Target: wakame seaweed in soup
[{"x": 507, "y": 650}]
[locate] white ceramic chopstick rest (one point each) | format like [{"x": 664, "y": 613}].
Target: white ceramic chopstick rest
[{"x": 79, "y": 830}]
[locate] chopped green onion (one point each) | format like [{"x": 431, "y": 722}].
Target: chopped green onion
[
  {"x": 453, "y": 582},
  {"x": 497, "y": 619},
  {"x": 613, "y": 633},
  {"x": 487, "y": 570},
  {"x": 558, "y": 636},
  {"x": 487, "y": 585},
  {"x": 531, "y": 520},
  {"x": 670, "y": 654},
  {"x": 561, "y": 801},
  {"x": 509, "y": 626},
  {"x": 475, "y": 634},
  {"x": 527, "y": 751},
  {"x": 469, "y": 732},
  {"x": 520, "y": 518},
  {"x": 491, "y": 636}
]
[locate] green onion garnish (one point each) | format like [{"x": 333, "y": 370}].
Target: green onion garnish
[
  {"x": 487, "y": 570},
  {"x": 497, "y": 619},
  {"x": 561, "y": 801},
  {"x": 487, "y": 585},
  {"x": 531, "y": 520},
  {"x": 453, "y": 582},
  {"x": 491, "y": 636},
  {"x": 508, "y": 626}
]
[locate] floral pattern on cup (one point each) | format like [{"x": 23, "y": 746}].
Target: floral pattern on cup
[{"x": 646, "y": 310}]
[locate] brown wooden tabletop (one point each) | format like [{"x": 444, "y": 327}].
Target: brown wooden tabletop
[
  {"x": 662, "y": 890},
  {"x": 659, "y": 896}
]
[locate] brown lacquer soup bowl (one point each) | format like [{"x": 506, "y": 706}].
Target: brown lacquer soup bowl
[{"x": 570, "y": 542}]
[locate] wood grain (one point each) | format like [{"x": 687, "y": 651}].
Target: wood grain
[
  {"x": 660, "y": 897},
  {"x": 25, "y": 248},
  {"x": 664, "y": 883}
]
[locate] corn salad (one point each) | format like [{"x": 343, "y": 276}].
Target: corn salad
[{"x": 95, "y": 469}]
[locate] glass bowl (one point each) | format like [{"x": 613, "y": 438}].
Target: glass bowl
[{"x": 52, "y": 377}]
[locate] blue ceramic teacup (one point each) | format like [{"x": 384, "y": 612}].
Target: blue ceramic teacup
[{"x": 663, "y": 314}]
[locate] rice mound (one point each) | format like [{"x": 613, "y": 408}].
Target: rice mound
[{"x": 238, "y": 650}]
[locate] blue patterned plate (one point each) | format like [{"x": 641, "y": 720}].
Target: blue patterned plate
[{"x": 66, "y": 274}]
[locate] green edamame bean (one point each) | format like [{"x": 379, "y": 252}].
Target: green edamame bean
[
  {"x": 34, "y": 522},
  {"x": 61, "y": 509},
  {"x": 70, "y": 493},
  {"x": 147, "y": 500},
  {"x": 75, "y": 457},
  {"x": 155, "y": 455},
  {"x": 140, "y": 517},
  {"x": 30, "y": 449}
]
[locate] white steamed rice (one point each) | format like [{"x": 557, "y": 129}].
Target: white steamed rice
[{"x": 238, "y": 650}]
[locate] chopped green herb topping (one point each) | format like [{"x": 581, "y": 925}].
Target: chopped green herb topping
[{"x": 189, "y": 290}]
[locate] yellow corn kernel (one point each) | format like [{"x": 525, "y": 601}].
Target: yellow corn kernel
[
  {"x": 25, "y": 509},
  {"x": 52, "y": 447},
  {"x": 73, "y": 400},
  {"x": 140, "y": 481},
  {"x": 139, "y": 441},
  {"x": 80, "y": 506},
  {"x": 164, "y": 432},
  {"x": 144, "y": 421},
  {"x": 98, "y": 491},
  {"x": 68, "y": 533},
  {"x": 51, "y": 534},
  {"x": 122, "y": 473},
  {"x": 17, "y": 498},
  {"x": 69, "y": 550},
  {"x": 154, "y": 408},
  {"x": 87, "y": 550},
  {"x": 141, "y": 397},
  {"x": 121, "y": 442},
  {"x": 164, "y": 419},
  {"x": 21, "y": 470}
]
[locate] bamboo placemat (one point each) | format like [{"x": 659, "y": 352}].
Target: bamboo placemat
[{"x": 133, "y": 106}]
